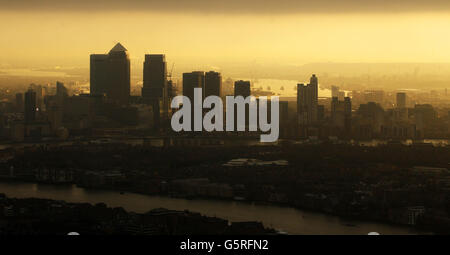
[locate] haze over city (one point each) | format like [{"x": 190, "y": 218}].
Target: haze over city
[
  {"x": 239, "y": 38},
  {"x": 199, "y": 117}
]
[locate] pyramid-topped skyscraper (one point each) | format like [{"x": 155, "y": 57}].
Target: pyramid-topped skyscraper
[
  {"x": 118, "y": 48},
  {"x": 110, "y": 74}
]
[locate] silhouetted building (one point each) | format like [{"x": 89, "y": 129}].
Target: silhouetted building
[
  {"x": 99, "y": 70},
  {"x": 40, "y": 94},
  {"x": 307, "y": 99},
  {"x": 424, "y": 115},
  {"x": 341, "y": 114},
  {"x": 155, "y": 77},
  {"x": 371, "y": 119},
  {"x": 78, "y": 112},
  {"x": 19, "y": 102},
  {"x": 242, "y": 88},
  {"x": 401, "y": 100},
  {"x": 119, "y": 67},
  {"x": 191, "y": 81},
  {"x": 213, "y": 84},
  {"x": 398, "y": 130},
  {"x": 110, "y": 74},
  {"x": 61, "y": 90},
  {"x": 54, "y": 113},
  {"x": 334, "y": 91},
  {"x": 283, "y": 117},
  {"x": 154, "y": 90},
  {"x": 320, "y": 112},
  {"x": 30, "y": 106}
]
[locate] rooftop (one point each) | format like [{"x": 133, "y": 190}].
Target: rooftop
[{"x": 118, "y": 47}]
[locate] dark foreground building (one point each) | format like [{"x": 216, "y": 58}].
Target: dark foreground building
[{"x": 110, "y": 74}]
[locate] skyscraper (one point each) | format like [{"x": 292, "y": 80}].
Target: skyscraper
[
  {"x": 40, "y": 95},
  {"x": 155, "y": 77},
  {"x": 119, "y": 75},
  {"x": 307, "y": 99},
  {"x": 242, "y": 88},
  {"x": 99, "y": 74},
  {"x": 61, "y": 95},
  {"x": 19, "y": 102},
  {"x": 213, "y": 84},
  {"x": 334, "y": 91},
  {"x": 154, "y": 90},
  {"x": 401, "y": 100},
  {"x": 341, "y": 114},
  {"x": 110, "y": 74},
  {"x": 30, "y": 106},
  {"x": 191, "y": 81},
  {"x": 61, "y": 90}
]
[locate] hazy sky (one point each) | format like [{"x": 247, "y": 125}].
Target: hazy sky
[
  {"x": 234, "y": 6},
  {"x": 202, "y": 34}
]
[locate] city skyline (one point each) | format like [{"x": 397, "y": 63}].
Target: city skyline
[{"x": 228, "y": 118}]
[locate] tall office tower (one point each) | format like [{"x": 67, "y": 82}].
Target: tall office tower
[
  {"x": 401, "y": 100},
  {"x": 61, "y": 90},
  {"x": 119, "y": 75},
  {"x": 19, "y": 102},
  {"x": 30, "y": 106},
  {"x": 191, "y": 81},
  {"x": 99, "y": 74},
  {"x": 341, "y": 113},
  {"x": 154, "y": 90},
  {"x": 61, "y": 95},
  {"x": 155, "y": 77},
  {"x": 242, "y": 88},
  {"x": 40, "y": 95},
  {"x": 334, "y": 91},
  {"x": 314, "y": 83},
  {"x": 213, "y": 84},
  {"x": 307, "y": 99},
  {"x": 110, "y": 74}
]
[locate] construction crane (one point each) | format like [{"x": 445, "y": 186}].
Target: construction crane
[
  {"x": 169, "y": 79},
  {"x": 169, "y": 75}
]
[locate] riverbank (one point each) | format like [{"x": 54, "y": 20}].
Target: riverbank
[
  {"x": 410, "y": 184},
  {"x": 420, "y": 228},
  {"x": 286, "y": 219},
  {"x": 34, "y": 216}
]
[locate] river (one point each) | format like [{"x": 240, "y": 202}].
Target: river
[{"x": 290, "y": 220}]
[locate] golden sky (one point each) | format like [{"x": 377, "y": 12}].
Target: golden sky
[{"x": 59, "y": 36}]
